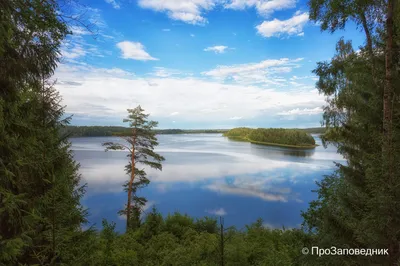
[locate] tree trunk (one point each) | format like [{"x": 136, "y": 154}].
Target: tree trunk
[
  {"x": 129, "y": 207},
  {"x": 387, "y": 154},
  {"x": 367, "y": 34},
  {"x": 388, "y": 93},
  {"x": 369, "y": 47}
]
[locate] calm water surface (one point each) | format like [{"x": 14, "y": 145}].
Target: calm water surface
[{"x": 207, "y": 174}]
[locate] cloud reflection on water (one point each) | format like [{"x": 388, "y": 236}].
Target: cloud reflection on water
[
  {"x": 209, "y": 174},
  {"x": 109, "y": 175},
  {"x": 254, "y": 171}
]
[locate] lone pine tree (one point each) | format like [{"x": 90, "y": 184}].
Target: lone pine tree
[{"x": 140, "y": 145}]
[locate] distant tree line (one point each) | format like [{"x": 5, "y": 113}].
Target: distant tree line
[
  {"x": 291, "y": 137},
  {"x": 314, "y": 130},
  {"x": 99, "y": 131},
  {"x": 104, "y": 131}
]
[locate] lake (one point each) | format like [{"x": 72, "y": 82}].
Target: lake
[{"x": 208, "y": 175}]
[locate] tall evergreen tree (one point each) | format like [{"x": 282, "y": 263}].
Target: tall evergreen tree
[
  {"x": 141, "y": 152},
  {"x": 358, "y": 205},
  {"x": 40, "y": 213}
]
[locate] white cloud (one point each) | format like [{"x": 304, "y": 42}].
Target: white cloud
[
  {"x": 223, "y": 71},
  {"x": 174, "y": 113},
  {"x": 78, "y": 30},
  {"x": 72, "y": 52},
  {"x": 253, "y": 73},
  {"x": 114, "y": 4},
  {"x": 163, "y": 72},
  {"x": 134, "y": 50},
  {"x": 305, "y": 111},
  {"x": 166, "y": 29},
  {"x": 189, "y": 11},
  {"x": 278, "y": 28},
  {"x": 267, "y": 187},
  {"x": 236, "y": 117},
  {"x": 217, "y": 212},
  {"x": 218, "y": 49},
  {"x": 226, "y": 189},
  {"x": 263, "y": 7},
  {"x": 107, "y": 36},
  {"x": 112, "y": 89},
  {"x": 193, "y": 11},
  {"x": 314, "y": 78},
  {"x": 192, "y": 35},
  {"x": 84, "y": 72}
]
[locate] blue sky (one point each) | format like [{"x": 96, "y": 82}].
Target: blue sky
[{"x": 196, "y": 63}]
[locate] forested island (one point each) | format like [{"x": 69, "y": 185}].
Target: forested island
[
  {"x": 291, "y": 138},
  {"x": 104, "y": 131}
]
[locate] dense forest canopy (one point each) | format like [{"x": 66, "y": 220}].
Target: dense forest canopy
[
  {"x": 181, "y": 240},
  {"x": 292, "y": 137}
]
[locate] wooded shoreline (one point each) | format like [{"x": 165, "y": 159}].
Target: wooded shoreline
[{"x": 105, "y": 131}]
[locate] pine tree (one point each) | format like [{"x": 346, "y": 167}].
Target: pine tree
[{"x": 141, "y": 146}]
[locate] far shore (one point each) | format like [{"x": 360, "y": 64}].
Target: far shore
[{"x": 111, "y": 131}]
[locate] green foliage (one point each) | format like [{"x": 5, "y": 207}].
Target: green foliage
[
  {"x": 239, "y": 132},
  {"x": 279, "y": 136},
  {"x": 40, "y": 192},
  {"x": 179, "y": 240},
  {"x": 358, "y": 205}
]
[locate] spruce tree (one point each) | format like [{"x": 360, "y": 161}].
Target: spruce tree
[
  {"x": 140, "y": 144},
  {"x": 40, "y": 212}
]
